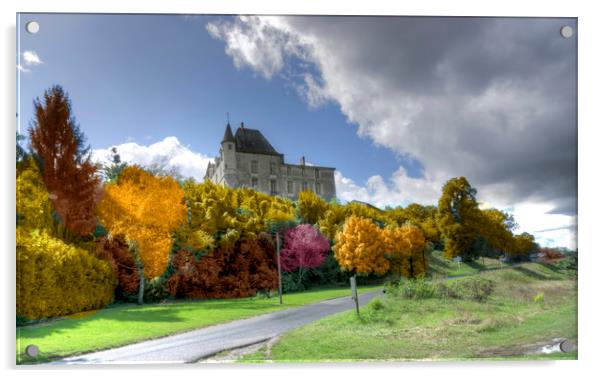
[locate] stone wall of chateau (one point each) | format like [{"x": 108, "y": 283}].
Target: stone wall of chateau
[
  {"x": 275, "y": 177},
  {"x": 268, "y": 172}
]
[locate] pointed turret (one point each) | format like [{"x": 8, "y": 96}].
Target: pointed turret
[{"x": 228, "y": 136}]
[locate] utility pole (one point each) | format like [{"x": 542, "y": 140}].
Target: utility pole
[{"x": 279, "y": 268}]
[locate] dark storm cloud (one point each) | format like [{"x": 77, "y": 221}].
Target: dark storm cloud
[{"x": 492, "y": 99}]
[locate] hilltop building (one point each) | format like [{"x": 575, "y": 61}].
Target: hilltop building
[{"x": 247, "y": 159}]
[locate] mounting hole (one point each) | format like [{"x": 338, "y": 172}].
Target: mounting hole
[
  {"x": 566, "y": 31},
  {"x": 32, "y": 350},
  {"x": 32, "y": 27}
]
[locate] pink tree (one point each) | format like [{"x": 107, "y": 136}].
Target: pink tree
[{"x": 304, "y": 247}]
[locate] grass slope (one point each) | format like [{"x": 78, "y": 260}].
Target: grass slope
[
  {"x": 439, "y": 266},
  {"x": 128, "y": 323},
  {"x": 508, "y": 325}
]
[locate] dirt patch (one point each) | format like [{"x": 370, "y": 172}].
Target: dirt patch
[
  {"x": 232, "y": 355},
  {"x": 525, "y": 349}
]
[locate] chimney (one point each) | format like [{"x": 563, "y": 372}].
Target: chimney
[
  {"x": 303, "y": 161},
  {"x": 242, "y": 125}
]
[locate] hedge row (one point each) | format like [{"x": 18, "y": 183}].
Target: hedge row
[{"x": 56, "y": 279}]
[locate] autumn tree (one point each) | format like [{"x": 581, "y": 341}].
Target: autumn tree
[
  {"x": 311, "y": 207},
  {"x": 524, "y": 244},
  {"x": 423, "y": 217},
  {"x": 145, "y": 210},
  {"x": 34, "y": 208},
  {"x": 495, "y": 230},
  {"x": 69, "y": 175},
  {"x": 304, "y": 248},
  {"x": 458, "y": 217},
  {"x": 405, "y": 248},
  {"x": 332, "y": 220},
  {"x": 359, "y": 247},
  {"x": 222, "y": 215}
]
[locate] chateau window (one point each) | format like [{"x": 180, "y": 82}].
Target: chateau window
[
  {"x": 272, "y": 168},
  {"x": 288, "y": 171},
  {"x": 317, "y": 174},
  {"x": 289, "y": 186},
  {"x": 254, "y": 182},
  {"x": 318, "y": 187},
  {"x": 304, "y": 187},
  {"x": 229, "y": 146},
  {"x": 253, "y": 166},
  {"x": 272, "y": 187}
]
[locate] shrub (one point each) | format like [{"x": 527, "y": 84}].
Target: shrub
[
  {"x": 116, "y": 252},
  {"x": 377, "y": 305},
  {"x": 539, "y": 299},
  {"x": 473, "y": 288},
  {"x": 231, "y": 271},
  {"x": 54, "y": 278},
  {"x": 291, "y": 284},
  {"x": 417, "y": 289}
]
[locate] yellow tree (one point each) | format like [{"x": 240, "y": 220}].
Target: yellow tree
[
  {"x": 523, "y": 244},
  {"x": 458, "y": 217},
  {"x": 359, "y": 247},
  {"x": 145, "y": 210},
  {"x": 34, "y": 208},
  {"x": 221, "y": 215},
  {"x": 405, "y": 247},
  {"x": 332, "y": 220},
  {"x": 311, "y": 207},
  {"x": 496, "y": 227}
]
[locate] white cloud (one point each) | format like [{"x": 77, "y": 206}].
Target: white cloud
[
  {"x": 169, "y": 153},
  {"x": 549, "y": 229},
  {"x": 31, "y": 58},
  {"x": 397, "y": 190},
  {"x": 22, "y": 69}
]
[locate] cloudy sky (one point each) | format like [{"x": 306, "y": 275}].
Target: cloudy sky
[{"x": 397, "y": 104}]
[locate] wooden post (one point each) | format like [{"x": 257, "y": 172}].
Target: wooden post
[
  {"x": 354, "y": 294},
  {"x": 279, "y": 267}
]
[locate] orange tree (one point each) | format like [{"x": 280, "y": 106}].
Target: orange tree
[
  {"x": 359, "y": 247},
  {"x": 145, "y": 210},
  {"x": 405, "y": 247}
]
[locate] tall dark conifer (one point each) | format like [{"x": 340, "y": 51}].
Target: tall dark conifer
[{"x": 69, "y": 175}]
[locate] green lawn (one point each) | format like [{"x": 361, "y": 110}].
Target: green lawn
[
  {"x": 127, "y": 323},
  {"x": 440, "y": 266},
  {"x": 507, "y": 325}
]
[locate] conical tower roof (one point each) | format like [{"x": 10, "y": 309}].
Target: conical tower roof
[{"x": 228, "y": 136}]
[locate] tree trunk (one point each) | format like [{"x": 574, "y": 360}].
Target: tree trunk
[
  {"x": 301, "y": 274},
  {"x": 141, "y": 285},
  {"x": 140, "y": 266}
]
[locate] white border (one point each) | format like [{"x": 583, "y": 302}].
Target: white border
[{"x": 589, "y": 27}]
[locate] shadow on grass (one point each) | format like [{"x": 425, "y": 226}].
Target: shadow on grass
[
  {"x": 531, "y": 273},
  {"x": 475, "y": 265}
]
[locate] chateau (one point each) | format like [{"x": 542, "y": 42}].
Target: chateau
[{"x": 247, "y": 159}]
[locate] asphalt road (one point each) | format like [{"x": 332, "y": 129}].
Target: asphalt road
[{"x": 195, "y": 345}]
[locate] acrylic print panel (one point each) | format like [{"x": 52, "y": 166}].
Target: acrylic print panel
[{"x": 176, "y": 172}]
